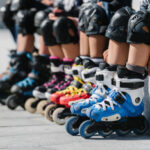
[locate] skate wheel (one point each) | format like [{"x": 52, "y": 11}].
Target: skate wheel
[
  {"x": 123, "y": 132},
  {"x": 143, "y": 129},
  {"x": 83, "y": 130},
  {"x": 57, "y": 114},
  {"x": 69, "y": 126},
  {"x": 49, "y": 111},
  {"x": 105, "y": 133},
  {"x": 11, "y": 102},
  {"x": 28, "y": 105},
  {"x": 40, "y": 107}
]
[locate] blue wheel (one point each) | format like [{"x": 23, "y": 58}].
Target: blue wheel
[
  {"x": 69, "y": 126},
  {"x": 105, "y": 133},
  {"x": 143, "y": 128},
  {"x": 83, "y": 129},
  {"x": 123, "y": 132}
]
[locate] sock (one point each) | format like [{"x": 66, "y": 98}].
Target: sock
[
  {"x": 97, "y": 60},
  {"x": 84, "y": 57}
]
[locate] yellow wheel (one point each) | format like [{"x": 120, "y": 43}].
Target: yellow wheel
[
  {"x": 40, "y": 107},
  {"x": 49, "y": 111},
  {"x": 28, "y": 105}
]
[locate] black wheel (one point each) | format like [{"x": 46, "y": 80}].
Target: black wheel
[
  {"x": 11, "y": 102},
  {"x": 143, "y": 129}
]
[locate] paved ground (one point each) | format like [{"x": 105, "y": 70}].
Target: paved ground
[{"x": 20, "y": 130}]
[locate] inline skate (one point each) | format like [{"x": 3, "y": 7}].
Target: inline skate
[
  {"x": 104, "y": 76},
  {"x": 121, "y": 111},
  {"x": 75, "y": 85},
  {"x": 19, "y": 67},
  {"x": 22, "y": 90},
  {"x": 64, "y": 79},
  {"x": 62, "y": 113}
]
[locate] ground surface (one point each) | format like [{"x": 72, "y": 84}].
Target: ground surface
[{"x": 20, "y": 130}]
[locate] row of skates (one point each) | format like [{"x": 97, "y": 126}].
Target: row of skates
[{"x": 87, "y": 98}]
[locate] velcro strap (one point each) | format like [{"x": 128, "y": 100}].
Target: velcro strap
[
  {"x": 116, "y": 96},
  {"x": 89, "y": 75},
  {"x": 133, "y": 85},
  {"x": 99, "y": 78}
]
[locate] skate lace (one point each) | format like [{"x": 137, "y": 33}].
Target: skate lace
[
  {"x": 63, "y": 84},
  {"x": 108, "y": 102},
  {"x": 70, "y": 89},
  {"x": 78, "y": 92},
  {"x": 98, "y": 93},
  {"x": 52, "y": 81}
]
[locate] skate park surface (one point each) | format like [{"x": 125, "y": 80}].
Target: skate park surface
[{"x": 20, "y": 130}]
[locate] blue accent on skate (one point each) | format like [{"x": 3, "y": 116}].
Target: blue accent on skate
[
  {"x": 26, "y": 82},
  {"x": 126, "y": 109},
  {"x": 28, "y": 93},
  {"x": 29, "y": 56}
]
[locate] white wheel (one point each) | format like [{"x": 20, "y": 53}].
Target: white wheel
[
  {"x": 49, "y": 111},
  {"x": 57, "y": 116},
  {"x": 40, "y": 107},
  {"x": 28, "y": 105}
]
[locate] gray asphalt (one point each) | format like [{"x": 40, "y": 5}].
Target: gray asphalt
[{"x": 20, "y": 130}]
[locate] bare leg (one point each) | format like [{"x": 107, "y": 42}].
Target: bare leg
[
  {"x": 70, "y": 50},
  {"x": 43, "y": 50},
  {"x": 84, "y": 44},
  {"x": 139, "y": 55},
  {"x": 56, "y": 51},
  {"x": 97, "y": 44},
  {"x": 25, "y": 43},
  {"x": 117, "y": 53}
]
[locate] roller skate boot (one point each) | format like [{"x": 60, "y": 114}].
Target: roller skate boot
[
  {"x": 22, "y": 90},
  {"x": 104, "y": 76},
  {"x": 65, "y": 80},
  {"x": 57, "y": 74},
  {"x": 19, "y": 67},
  {"x": 74, "y": 86},
  {"x": 121, "y": 111}
]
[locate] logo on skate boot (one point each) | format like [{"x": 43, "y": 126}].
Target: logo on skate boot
[{"x": 137, "y": 100}]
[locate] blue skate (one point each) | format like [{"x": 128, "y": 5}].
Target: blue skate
[
  {"x": 121, "y": 111},
  {"x": 98, "y": 94}
]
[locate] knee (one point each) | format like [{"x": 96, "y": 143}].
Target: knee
[
  {"x": 38, "y": 19},
  {"x": 97, "y": 21},
  {"x": 118, "y": 27},
  {"x": 47, "y": 32},
  {"x": 25, "y": 22},
  {"x": 65, "y": 31},
  {"x": 139, "y": 28}
]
